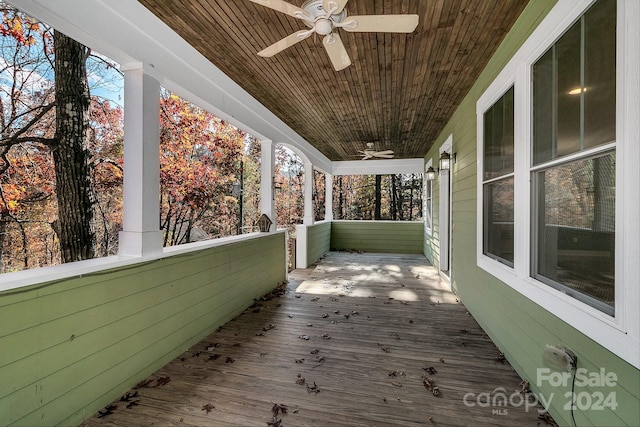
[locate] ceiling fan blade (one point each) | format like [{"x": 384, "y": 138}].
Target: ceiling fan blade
[
  {"x": 385, "y": 152},
  {"x": 285, "y": 43},
  {"x": 334, "y": 4},
  {"x": 284, "y": 7},
  {"x": 383, "y": 156},
  {"x": 381, "y": 23},
  {"x": 366, "y": 157},
  {"x": 336, "y": 51}
]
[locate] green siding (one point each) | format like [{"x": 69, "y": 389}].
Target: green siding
[
  {"x": 318, "y": 241},
  {"x": 70, "y": 347},
  {"x": 520, "y": 328},
  {"x": 378, "y": 236}
]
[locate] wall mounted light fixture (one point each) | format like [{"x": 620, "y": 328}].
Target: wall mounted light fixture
[
  {"x": 430, "y": 174},
  {"x": 446, "y": 161}
]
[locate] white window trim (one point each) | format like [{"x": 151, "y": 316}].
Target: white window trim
[
  {"x": 428, "y": 230},
  {"x": 619, "y": 334}
]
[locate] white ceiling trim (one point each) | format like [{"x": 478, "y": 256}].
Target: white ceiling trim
[{"x": 127, "y": 32}]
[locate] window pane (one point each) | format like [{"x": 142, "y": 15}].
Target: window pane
[
  {"x": 600, "y": 72},
  {"x": 498, "y": 220},
  {"x": 574, "y": 87},
  {"x": 576, "y": 227},
  {"x": 543, "y": 128},
  {"x": 498, "y": 137},
  {"x": 568, "y": 92}
]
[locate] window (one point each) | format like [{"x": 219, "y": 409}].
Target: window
[
  {"x": 575, "y": 171},
  {"x": 573, "y": 156},
  {"x": 428, "y": 202},
  {"x": 498, "y": 183}
]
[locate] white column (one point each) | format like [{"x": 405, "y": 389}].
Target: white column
[
  {"x": 308, "y": 194},
  {"x": 141, "y": 233},
  {"x": 267, "y": 177},
  {"x": 328, "y": 197}
]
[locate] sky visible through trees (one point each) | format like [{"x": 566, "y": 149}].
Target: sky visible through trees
[{"x": 201, "y": 158}]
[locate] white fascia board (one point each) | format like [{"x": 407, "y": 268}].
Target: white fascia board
[
  {"x": 127, "y": 32},
  {"x": 378, "y": 167}
]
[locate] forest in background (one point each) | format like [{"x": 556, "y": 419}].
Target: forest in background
[{"x": 59, "y": 100}]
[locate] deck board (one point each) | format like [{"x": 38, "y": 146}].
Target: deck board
[{"x": 401, "y": 319}]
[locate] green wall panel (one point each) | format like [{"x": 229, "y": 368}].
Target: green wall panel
[
  {"x": 378, "y": 236},
  {"x": 519, "y": 327},
  {"x": 72, "y": 346},
  {"x": 318, "y": 241}
]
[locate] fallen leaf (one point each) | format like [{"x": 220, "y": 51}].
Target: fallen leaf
[
  {"x": 229, "y": 360},
  {"x": 313, "y": 388},
  {"x": 524, "y": 387},
  {"x": 431, "y": 370},
  {"x": 315, "y": 351},
  {"x": 299, "y": 360},
  {"x": 208, "y": 408},
  {"x": 300, "y": 380},
  {"x": 196, "y": 354},
  {"x": 162, "y": 381},
  {"x": 304, "y": 337},
  {"x": 263, "y": 354},
  {"x": 326, "y": 336},
  {"x": 324, "y": 316},
  {"x": 132, "y": 404},
  {"x": 128, "y": 396},
  {"x": 279, "y": 408},
  {"x": 275, "y": 422},
  {"x": 314, "y": 299},
  {"x": 320, "y": 359},
  {"x": 396, "y": 384},
  {"x": 143, "y": 383},
  {"x": 269, "y": 327},
  {"x": 214, "y": 356},
  {"x": 436, "y": 392},
  {"x": 108, "y": 410}
]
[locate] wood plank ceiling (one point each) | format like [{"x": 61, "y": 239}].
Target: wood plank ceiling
[{"x": 400, "y": 90}]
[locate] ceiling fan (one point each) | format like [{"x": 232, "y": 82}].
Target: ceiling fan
[
  {"x": 324, "y": 16},
  {"x": 370, "y": 153}
]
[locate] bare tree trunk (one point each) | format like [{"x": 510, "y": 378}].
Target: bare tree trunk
[
  {"x": 393, "y": 204},
  {"x": 74, "y": 189},
  {"x": 3, "y": 231},
  {"x": 340, "y": 199},
  {"x": 378, "y": 202}
]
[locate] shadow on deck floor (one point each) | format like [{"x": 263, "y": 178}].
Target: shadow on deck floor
[{"x": 358, "y": 340}]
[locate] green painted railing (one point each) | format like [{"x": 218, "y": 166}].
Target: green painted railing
[
  {"x": 378, "y": 236},
  {"x": 69, "y": 347}
]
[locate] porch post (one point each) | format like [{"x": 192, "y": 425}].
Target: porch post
[
  {"x": 141, "y": 233},
  {"x": 308, "y": 194},
  {"x": 267, "y": 176},
  {"x": 328, "y": 197}
]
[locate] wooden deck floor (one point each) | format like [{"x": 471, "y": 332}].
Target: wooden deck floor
[{"x": 361, "y": 331}]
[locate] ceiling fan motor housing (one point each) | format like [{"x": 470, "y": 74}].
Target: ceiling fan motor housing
[{"x": 315, "y": 9}]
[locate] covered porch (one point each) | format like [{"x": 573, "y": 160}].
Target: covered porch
[{"x": 357, "y": 339}]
